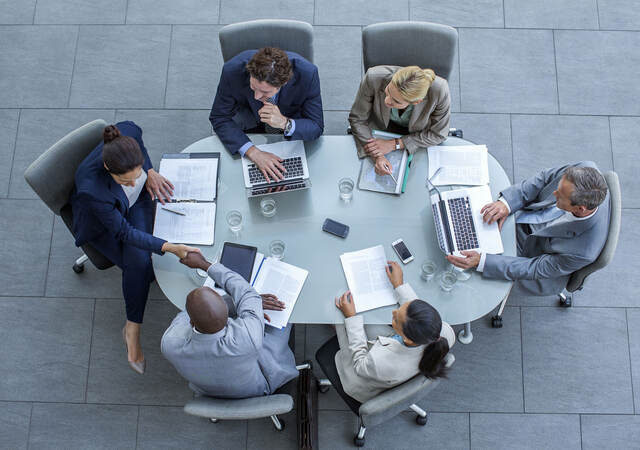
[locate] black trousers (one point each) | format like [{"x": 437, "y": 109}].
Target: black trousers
[{"x": 326, "y": 357}]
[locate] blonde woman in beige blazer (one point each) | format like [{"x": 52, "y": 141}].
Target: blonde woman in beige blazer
[
  {"x": 381, "y": 357},
  {"x": 410, "y": 101}
]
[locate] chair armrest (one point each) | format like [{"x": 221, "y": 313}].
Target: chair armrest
[{"x": 239, "y": 409}]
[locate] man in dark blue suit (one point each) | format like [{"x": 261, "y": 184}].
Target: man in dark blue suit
[{"x": 267, "y": 90}]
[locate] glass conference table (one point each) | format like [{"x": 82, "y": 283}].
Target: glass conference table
[{"x": 374, "y": 218}]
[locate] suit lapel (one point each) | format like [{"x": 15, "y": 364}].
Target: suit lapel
[
  {"x": 287, "y": 93},
  {"x": 117, "y": 190}
]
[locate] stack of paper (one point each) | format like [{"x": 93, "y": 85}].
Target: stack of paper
[
  {"x": 465, "y": 164},
  {"x": 367, "y": 278}
]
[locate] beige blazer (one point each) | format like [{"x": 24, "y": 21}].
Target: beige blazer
[
  {"x": 368, "y": 367},
  {"x": 429, "y": 122}
]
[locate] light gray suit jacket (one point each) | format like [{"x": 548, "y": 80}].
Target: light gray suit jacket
[
  {"x": 239, "y": 361},
  {"x": 429, "y": 122},
  {"x": 368, "y": 367},
  {"x": 548, "y": 256}
]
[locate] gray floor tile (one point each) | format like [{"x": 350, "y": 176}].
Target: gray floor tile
[
  {"x": 195, "y": 65},
  {"x": 597, "y": 72},
  {"x": 24, "y": 246},
  {"x": 583, "y": 368},
  {"x": 610, "y": 286},
  {"x": 339, "y": 82},
  {"x": 487, "y": 374},
  {"x": 467, "y": 13},
  {"x": 300, "y": 336},
  {"x": 129, "y": 72},
  {"x": 162, "y": 427},
  {"x": 625, "y": 135},
  {"x": 359, "y": 12},
  {"x": 232, "y": 11},
  {"x": 36, "y": 65},
  {"x": 619, "y": 432},
  {"x": 168, "y": 11},
  {"x": 110, "y": 378},
  {"x": 336, "y": 122},
  {"x": 62, "y": 281},
  {"x": 619, "y": 14},
  {"x": 518, "y": 297},
  {"x": 507, "y": 71},
  {"x": 38, "y": 130},
  {"x": 338, "y": 429},
  {"x": 83, "y": 426},
  {"x": 168, "y": 131},
  {"x": 14, "y": 425},
  {"x": 442, "y": 431},
  {"x": 262, "y": 434},
  {"x": 493, "y": 130},
  {"x": 80, "y": 11},
  {"x": 550, "y": 141},
  {"x": 45, "y": 358},
  {"x": 8, "y": 131},
  {"x": 525, "y": 431},
  {"x": 12, "y": 12},
  {"x": 633, "y": 323},
  {"x": 565, "y": 14}
]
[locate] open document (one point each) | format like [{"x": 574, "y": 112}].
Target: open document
[
  {"x": 367, "y": 278},
  {"x": 464, "y": 164},
  {"x": 195, "y": 226},
  {"x": 192, "y": 178},
  {"x": 369, "y": 180}
]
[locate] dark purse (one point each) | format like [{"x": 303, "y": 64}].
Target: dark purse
[{"x": 307, "y": 410}]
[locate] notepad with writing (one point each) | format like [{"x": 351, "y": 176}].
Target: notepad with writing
[
  {"x": 195, "y": 179},
  {"x": 369, "y": 180}
]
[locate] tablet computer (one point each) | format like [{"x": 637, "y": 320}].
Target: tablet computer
[{"x": 239, "y": 258}]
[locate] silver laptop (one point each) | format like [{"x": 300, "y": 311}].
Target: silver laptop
[
  {"x": 459, "y": 223},
  {"x": 295, "y": 178}
]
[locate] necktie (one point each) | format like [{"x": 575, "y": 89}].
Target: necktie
[
  {"x": 268, "y": 128},
  {"x": 540, "y": 216}
]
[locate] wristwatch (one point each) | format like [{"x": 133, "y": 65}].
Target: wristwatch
[
  {"x": 397, "y": 143},
  {"x": 287, "y": 127}
]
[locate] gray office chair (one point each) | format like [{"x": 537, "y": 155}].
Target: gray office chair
[
  {"x": 424, "y": 44},
  {"x": 52, "y": 177},
  {"x": 577, "y": 279},
  {"x": 290, "y": 35}
]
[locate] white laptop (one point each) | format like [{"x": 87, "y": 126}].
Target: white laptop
[
  {"x": 295, "y": 178},
  {"x": 459, "y": 223}
]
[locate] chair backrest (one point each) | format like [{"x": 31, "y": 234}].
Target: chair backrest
[
  {"x": 290, "y": 35},
  {"x": 52, "y": 175},
  {"x": 424, "y": 44},
  {"x": 577, "y": 278}
]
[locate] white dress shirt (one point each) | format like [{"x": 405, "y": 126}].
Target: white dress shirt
[{"x": 133, "y": 192}]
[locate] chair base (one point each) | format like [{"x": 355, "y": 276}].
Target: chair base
[
  {"x": 565, "y": 300},
  {"x": 78, "y": 265},
  {"x": 496, "y": 321}
]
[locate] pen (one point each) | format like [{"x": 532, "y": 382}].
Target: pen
[
  {"x": 393, "y": 178},
  {"x": 175, "y": 212}
]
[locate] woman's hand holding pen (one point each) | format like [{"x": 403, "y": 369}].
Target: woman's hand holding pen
[{"x": 383, "y": 166}]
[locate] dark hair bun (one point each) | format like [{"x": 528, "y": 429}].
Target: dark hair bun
[{"x": 110, "y": 133}]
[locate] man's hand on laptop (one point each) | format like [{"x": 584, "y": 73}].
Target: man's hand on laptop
[
  {"x": 469, "y": 260},
  {"x": 495, "y": 211},
  {"x": 383, "y": 166},
  {"x": 269, "y": 164}
]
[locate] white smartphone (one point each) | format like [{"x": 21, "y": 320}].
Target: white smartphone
[{"x": 402, "y": 251}]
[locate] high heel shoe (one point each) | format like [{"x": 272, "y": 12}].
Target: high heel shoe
[{"x": 137, "y": 367}]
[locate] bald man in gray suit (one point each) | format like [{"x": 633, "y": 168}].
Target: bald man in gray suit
[
  {"x": 224, "y": 356},
  {"x": 562, "y": 222}
]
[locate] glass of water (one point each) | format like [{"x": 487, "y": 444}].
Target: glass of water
[
  {"x": 461, "y": 274},
  {"x": 276, "y": 248},
  {"x": 428, "y": 270},
  {"x": 234, "y": 220},
  {"x": 199, "y": 276},
  {"x": 268, "y": 206},
  {"x": 448, "y": 280},
  {"x": 345, "y": 186}
]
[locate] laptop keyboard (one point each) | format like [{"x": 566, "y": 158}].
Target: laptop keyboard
[
  {"x": 464, "y": 230},
  {"x": 292, "y": 165}
]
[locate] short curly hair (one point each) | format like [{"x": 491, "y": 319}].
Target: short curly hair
[{"x": 272, "y": 65}]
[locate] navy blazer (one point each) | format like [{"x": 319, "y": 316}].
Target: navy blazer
[
  {"x": 100, "y": 205},
  {"x": 298, "y": 99}
]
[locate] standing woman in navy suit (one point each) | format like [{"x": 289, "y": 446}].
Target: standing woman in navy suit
[{"x": 114, "y": 213}]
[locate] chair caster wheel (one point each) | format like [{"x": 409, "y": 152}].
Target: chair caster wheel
[
  {"x": 564, "y": 300},
  {"x": 496, "y": 322},
  {"x": 421, "y": 420},
  {"x": 323, "y": 389},
  {"x": 282, "y": 425},
  {"x": 358, "y": 442},
  {"x": 212, "y": 420},
  {"x": 78, "y": 268}
]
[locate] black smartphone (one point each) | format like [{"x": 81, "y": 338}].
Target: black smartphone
[
  {"x": 239, "y": 258},
  {"x": 337, "y": 228}
]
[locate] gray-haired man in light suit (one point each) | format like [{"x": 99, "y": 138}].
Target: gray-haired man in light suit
[
  {"x": 224, "y": 356},
  {"x": 562, "y": 221}
]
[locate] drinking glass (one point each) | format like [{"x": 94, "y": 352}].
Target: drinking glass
[
  {"x": 234, "y": 220},
  {"x": 345, "y": 186},
  {"x": 276, "y": 248},
  {"x": 448, "y": 280},
  {"x": 461, "y": 274},
  {"x": 268, "y": 206},
  {"x": 199, "y": 276},
  {"x": 428, "y": 270}
]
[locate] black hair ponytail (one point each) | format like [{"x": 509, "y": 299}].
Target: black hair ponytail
[{"x": 423, "y": 325}]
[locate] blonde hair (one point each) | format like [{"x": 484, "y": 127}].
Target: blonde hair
[{"x": 413, "y": 82}]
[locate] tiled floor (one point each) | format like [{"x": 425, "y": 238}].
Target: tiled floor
[{"x": 540, "y": 83}]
